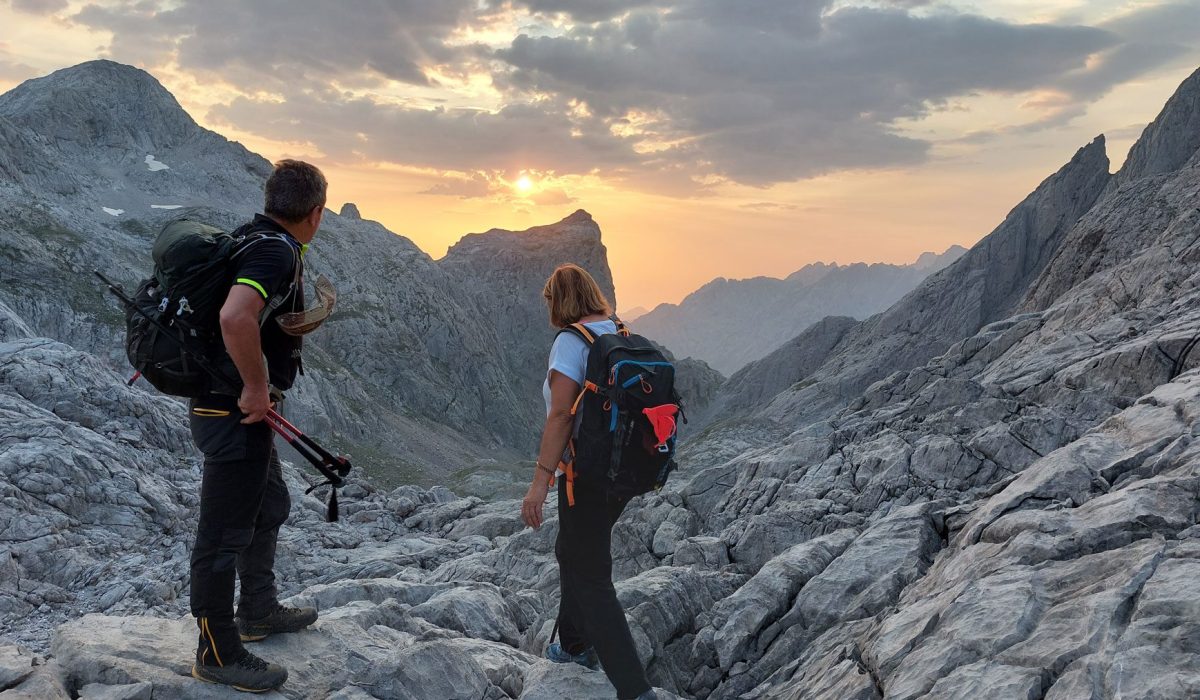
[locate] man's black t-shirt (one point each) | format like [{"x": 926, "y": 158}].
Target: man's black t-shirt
[{"x": 272, "y": 264}]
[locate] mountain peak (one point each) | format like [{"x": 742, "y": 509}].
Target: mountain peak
[
  {"x": 580, "y": 216},
  {"x": 1171, "y": 139},
  {"x": 100, "y": 104},
  {"x": 932, "y": 261}
]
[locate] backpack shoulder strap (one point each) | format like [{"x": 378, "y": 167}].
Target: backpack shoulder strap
[
  {"x": 579, "y": 330},
  {"x": 622, "y": 329},
  {"x": 254, "y": 237}
]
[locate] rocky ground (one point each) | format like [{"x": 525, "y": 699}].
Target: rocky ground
[{"x": 995, "y": 504}]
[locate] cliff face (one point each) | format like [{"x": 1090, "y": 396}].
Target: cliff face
[
  {"x": 1014, "y": 515},
  {"x": 503, "y": 272},
  {"x": 1129, "y": 219}
]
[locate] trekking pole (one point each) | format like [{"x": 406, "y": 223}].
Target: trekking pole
[{"x": 334, "y": 469}]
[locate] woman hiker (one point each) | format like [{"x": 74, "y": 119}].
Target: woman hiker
[{"x": 591, "y": 623}]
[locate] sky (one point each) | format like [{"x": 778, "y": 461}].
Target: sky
[{"x": 708, "y": 138}]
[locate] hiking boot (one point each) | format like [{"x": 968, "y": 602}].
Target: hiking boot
[
  {"x": 282, "y": 619},
  {"x": 245, "y": 672},
  {"x": 587, "y": 658}
]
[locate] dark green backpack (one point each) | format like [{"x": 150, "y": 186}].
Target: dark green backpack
[{"x": 192, "y": 278}]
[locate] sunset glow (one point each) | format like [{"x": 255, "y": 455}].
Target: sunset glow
[{"x": 732, "y": 143}]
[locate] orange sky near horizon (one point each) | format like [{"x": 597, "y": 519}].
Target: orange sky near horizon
[{"x": 664, "y": 244}]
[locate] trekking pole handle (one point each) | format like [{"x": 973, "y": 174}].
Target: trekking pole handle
[
  {"x": 326, "y": 463},
  {"x": 339, "y": 462}
]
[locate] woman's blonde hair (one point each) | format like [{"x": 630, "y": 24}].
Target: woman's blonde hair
[{"x": 572, "y": 294}]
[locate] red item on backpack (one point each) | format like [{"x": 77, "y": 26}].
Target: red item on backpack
[{"x": 662, "y": 418}]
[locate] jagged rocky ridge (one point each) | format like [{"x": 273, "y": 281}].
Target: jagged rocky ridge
[
  {"x": 986, "y": 284},
  {"x": 1012, "y": 514},
  {"x": 730, "y": 323}
]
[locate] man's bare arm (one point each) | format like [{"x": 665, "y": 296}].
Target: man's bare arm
[{"x": 239, "y": 328}]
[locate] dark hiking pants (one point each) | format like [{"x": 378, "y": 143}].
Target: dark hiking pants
[
  {"x": 589, "y": 613},
  {"x": 243, "y": 502}
]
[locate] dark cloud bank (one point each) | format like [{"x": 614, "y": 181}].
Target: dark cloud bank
[{"x": 756, "y": 93}]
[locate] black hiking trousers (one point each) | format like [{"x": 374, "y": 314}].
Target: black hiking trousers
[
  {"x": 589, "y": 613},
  {"x": 243, "y": 502}
]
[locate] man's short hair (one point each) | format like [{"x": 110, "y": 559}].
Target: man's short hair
[{"x": 293, "y": 190}]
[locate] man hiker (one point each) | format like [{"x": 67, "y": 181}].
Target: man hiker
[{"x": 243, "y": 500}]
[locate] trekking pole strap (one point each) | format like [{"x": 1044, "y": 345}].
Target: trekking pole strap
[
  {"x": 328, "y": 462},
  {"x": 321, "y": 464}
]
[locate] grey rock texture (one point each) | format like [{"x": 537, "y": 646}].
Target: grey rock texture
[
  {"x": 16, "y": 664},
  {"x": 1006, "y": 512},
  {"x": 700, "y": 383},
  {"x": 730, "y": 323}
]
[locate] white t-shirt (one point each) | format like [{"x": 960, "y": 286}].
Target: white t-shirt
[{"x": 568, "y": 356}]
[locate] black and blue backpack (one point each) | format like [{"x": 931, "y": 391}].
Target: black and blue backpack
[{"x": 626, "y": 416}]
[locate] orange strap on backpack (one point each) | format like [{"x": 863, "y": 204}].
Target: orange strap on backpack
[
  {"x": 569, "y": 472},
  {"x": 587, "y": 335},
  {"x": 587, "y": 386}
]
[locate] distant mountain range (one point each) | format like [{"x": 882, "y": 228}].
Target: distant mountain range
[
  {"x": 730, "y": 323},
  {"x": 634, "y": 313}
]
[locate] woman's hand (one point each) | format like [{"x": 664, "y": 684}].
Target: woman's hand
[{"x": 531, "y": 507}]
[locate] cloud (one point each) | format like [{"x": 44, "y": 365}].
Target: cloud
[
  {"x": 534, "y": 136},
  {"x": 39, "y": 7},
  {"x": 549, "y": 198},
  {"x": 670, "y": 96},
  {"x": 478, "y": 185},
  {"x": 16, "y": 71},
  {"x": 262, "y": 45},
  {"x": 790, "y": 89},
  {"x": 1151, "y": 37},
  {"x": 588, "y": 10}
]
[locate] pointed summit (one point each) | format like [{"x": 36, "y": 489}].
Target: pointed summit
[
  {"x": 99, "y": 104},
  {"x": 1171, "y": 139}
]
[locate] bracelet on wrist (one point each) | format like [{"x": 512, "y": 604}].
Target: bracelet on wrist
[{"x": 544, "y": 468}]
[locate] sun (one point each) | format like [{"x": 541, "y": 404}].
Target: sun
[{"x": 524, "y": 183}]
